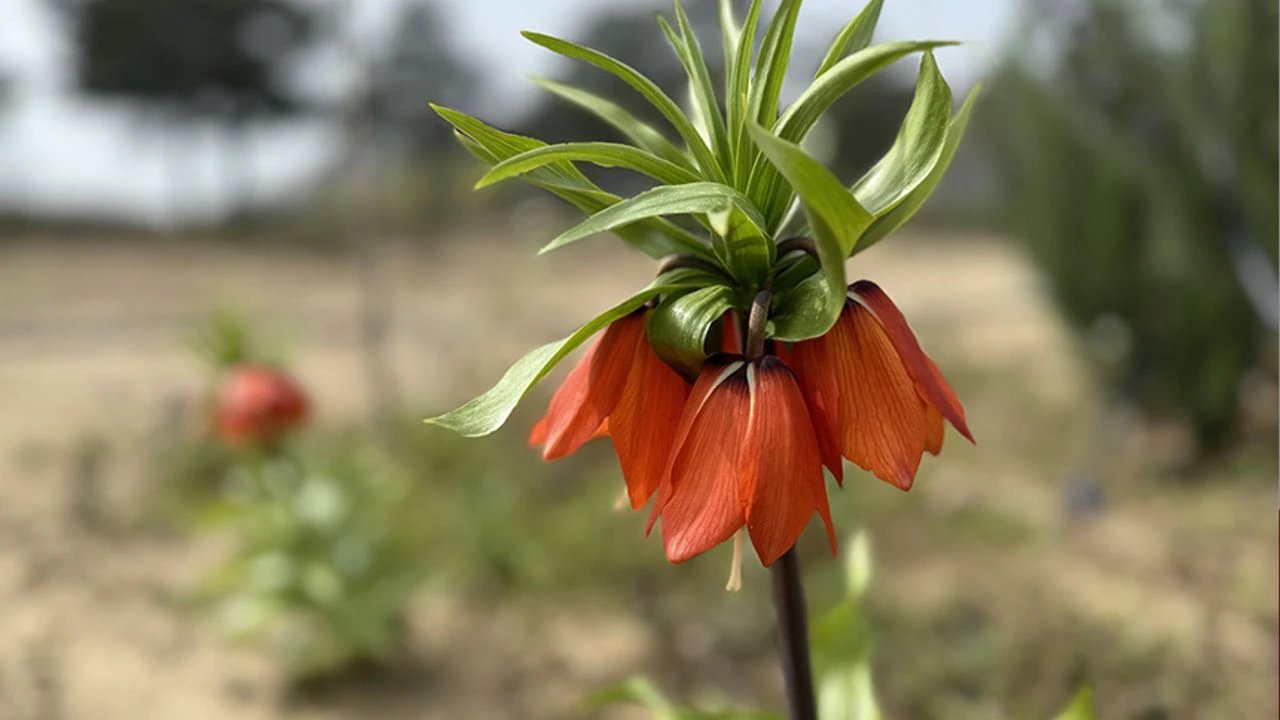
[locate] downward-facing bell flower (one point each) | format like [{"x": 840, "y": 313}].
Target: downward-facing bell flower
[
  {"x": 622, "y": 389},
  {"x": 745, "y": 454},
  {"x": 744, "y": 447},
  {"x": 882, "y": 397}
]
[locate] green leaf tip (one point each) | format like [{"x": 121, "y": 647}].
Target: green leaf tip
[{"x": 486, "y": 413}]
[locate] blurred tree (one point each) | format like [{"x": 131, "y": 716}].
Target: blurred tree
[
  {"x": 219, "y": 60},
  {"x": 1142, "y": 172},
  {"x": 419, "y": 66}
]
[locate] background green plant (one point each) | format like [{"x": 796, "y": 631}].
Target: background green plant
[
  {"x": 841, "y": 639},
  {"x": 1143, "y": 180}
]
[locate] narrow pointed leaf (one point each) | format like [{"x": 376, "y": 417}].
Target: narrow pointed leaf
[
  {"x": 679, "y": 326},
  {"x": 835, "y": 217},
  {"x": 693, "y": 198},
  {"x": 656, "y": 238},
  {"x": 737, "y": 97},
  {"x": 905, "y": 210},
  {"x": 597, "y": 153},
  {"x": 637, "y": 131},
  {"x": 504, "y": 144},
  {"x": 842, "y": 77},
  {"x": 488, "y": 412},
  {"x": 729, "y": 32},
  {"x": 916, "y": 150},
  {"x": 853, "y": 37},
  {"x": 771, "y": 64},
  {"x": 1081, "y": 707},
  {"x": 643, "y": 85},
  {"x": 690, "y": 54}
]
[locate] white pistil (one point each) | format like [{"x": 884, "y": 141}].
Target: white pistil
[{"x": 735, "y": 568}]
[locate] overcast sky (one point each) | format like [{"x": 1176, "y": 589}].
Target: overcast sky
[{"x": 61, "y": 154}]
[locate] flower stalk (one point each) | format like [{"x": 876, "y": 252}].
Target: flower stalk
[
  {"x": 793, "y": 637},
  {"x": 756, "y": 324}
]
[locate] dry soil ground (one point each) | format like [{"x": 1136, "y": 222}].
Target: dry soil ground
[{"x": 92, "y": 363}]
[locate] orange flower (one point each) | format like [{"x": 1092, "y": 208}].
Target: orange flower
[
  {"x": 746, "y": 453},
  {"x": 745, "y": 447},
  {"x": 259, "y": 404},
  {"x": 620, "y": 388},
  {"x": 881, "y": 396}
]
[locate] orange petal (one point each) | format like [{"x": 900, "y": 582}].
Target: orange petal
[
  {"x": 644, "y": 423},
  {"x": 921, "y": 368},
  {"x": 782, "y": 471},
  {"x": 592, "y": 389},
  {"x": 828, "y": 443},
  {"x": 700, "y": 500},
  {"x": 881, "y": 416},
  {"x": 538, "y": 434},
  {"x": 815, "y": 367},
  {"x": 730, "y": 337},
  {"x": 934, "y": 431}
]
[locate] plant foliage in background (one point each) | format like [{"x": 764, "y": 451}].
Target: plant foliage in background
[
  {"x": 325, "y": 558},
  {"x": 842, "y": 654},
  {"x": 1144, "y": 182}
]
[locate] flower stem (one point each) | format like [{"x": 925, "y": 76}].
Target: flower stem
[
  {"x": 793, "y": 637},
  {"x": 754, "y": 341}
]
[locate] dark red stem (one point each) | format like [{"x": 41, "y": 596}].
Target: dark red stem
[
  {"x": 754, "y": 341},
  {"x": 793, "y": 637}
]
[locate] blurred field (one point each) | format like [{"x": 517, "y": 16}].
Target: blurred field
[{"x": 994, "y": 597}]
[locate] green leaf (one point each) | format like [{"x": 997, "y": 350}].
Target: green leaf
[
  {"x": 636, "y": 130},
  {"x": 729, "y": 32},
  {"x": 634, "y": 690},
  {"x": 486, "y": 413},
  {"x": 741, "y": 245},
  {"x": 842, "y": 77},
  {"x": 690, "y": 54},
  {"x": 504, "y": 144},
  {"x": 737, "y": 103},
  {"x": 641, "y": 691},
  {"x": 599, "y": 153},
  {"x": 835, "y": 218},
  {"x": 678, "y": 327},
  {"x": 854, "y": 37},
  {"x": 692, "y": 198},
  {"x": 847, "y": 693},
  {"x": 771, "y": 64},
  {"x": 800, "y": 310},
  {"x": 915, "y": 152},
  {"x": 858, "y": 566},
  {"x": 656, "y": 238},
  {"x": 643, "y": 85},
  {"x": 766, "y": 91},
  {"x": 905, "y": 210},
  {"x": 1081, "y": 707}
]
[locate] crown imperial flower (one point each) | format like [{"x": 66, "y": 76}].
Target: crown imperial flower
[
  {"x": 258, "y": 404},
  {"x": 749, "y": 364}
]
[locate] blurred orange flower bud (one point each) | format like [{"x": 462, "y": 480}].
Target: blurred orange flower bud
[{"x": 259, "y": 404}]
